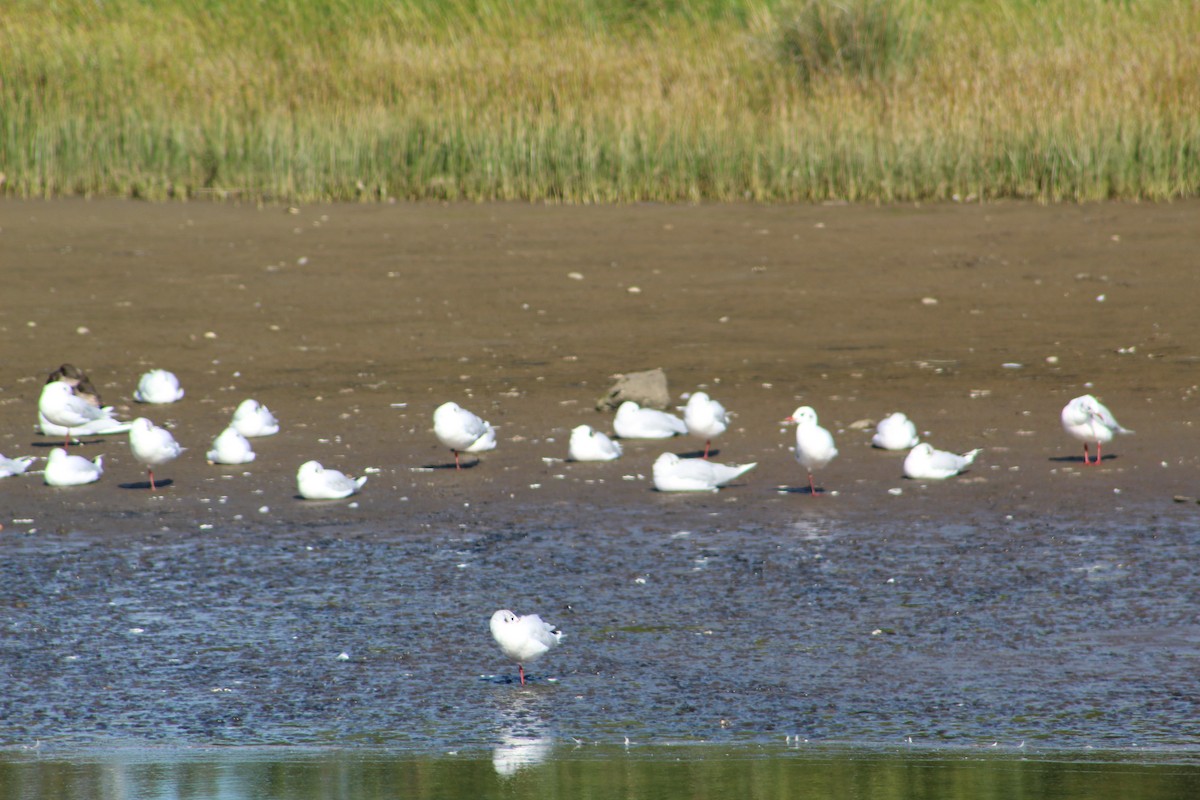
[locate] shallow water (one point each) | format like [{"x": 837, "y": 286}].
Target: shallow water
[
  {"x": 595, "y": 772},
  {"x": 1030, "y": 636}
]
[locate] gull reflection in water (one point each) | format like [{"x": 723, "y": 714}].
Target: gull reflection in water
[
  {"x": 517, "y": 752},
  {"x": 525, "y": 739}
]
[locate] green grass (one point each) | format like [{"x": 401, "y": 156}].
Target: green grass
[{"x": 601, "y": 100}]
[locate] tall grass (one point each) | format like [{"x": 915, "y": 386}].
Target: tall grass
[
  {"x": 601, "y": 100},
  {"x": 868, "y": 39}
]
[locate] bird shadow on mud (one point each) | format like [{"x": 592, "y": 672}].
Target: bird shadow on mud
[
  {"x": 699, "y": 454},
  {"x": 802, "y": 490},
  {"x": 158, "y": 484},
  {"x": 453, "y": 466},
  {"x": 59, "y": 443},
  {"x": 1079, "y": 459}
]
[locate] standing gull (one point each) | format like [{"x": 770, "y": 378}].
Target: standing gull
[
  {"x": 814, "y": 444},
  {"x": 705, "y": 418},
  {"x": 79, "y": 381},
  {"x": 1086, "y": 419},
  {"x": 61, "y": 406},
  {"x": 523, "y": 639},
  {"x": 152, "y": 446},
  {"x": 462, "y": 431}
]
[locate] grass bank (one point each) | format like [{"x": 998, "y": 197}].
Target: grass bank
[{"x": 601, "y": 100}]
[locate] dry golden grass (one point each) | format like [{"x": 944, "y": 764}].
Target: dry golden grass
[{"x": 574, "y": 101}]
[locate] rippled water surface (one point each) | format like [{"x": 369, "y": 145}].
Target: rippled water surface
[
  {"x": 1028, "y": 636},
  {"x": 709, "y": 771}
]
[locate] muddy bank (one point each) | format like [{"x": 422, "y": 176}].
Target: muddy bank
[{"x": 354, "y": 322}]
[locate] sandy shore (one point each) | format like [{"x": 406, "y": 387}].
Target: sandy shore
[{"x": 354, "y": 322}]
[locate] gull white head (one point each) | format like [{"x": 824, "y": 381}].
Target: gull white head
[{"x": 804, "y": 415}]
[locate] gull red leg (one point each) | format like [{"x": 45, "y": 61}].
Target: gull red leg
[
  {"x": 706, "y": 444},
  {"x": 457, "y": 465},
  {"x": 152, "y": 486},
  {"x": 1085, "y": 454},
  {"x": 521, "y": 670},
  {"x": 812, "y": 489}
]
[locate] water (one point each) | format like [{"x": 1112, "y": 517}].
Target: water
[
  {"x": 1022, "y": 637},
  {"x": 599, "y": 773}
]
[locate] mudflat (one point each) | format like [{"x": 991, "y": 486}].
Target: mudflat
[{"x": 353, "y": 322}]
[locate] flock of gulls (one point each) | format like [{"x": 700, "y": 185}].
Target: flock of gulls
[{"x": 69, "y": 406}]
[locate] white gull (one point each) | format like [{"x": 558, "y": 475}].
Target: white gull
[
  {"x": 152, "y": 445},
  {"x": 315, "y": 482},
  {"x": 462, "y": 431},
  {"x": 60, "y": 405},
  {"x": 158, "y": 386},
  {"x": 634, "y": 422},
  {"x": 895, "y": 432},
  {"x": 14, "y": 466},
  {"x": 814, "y": 444},
  {"x": 63, "y": 469},
  {"x": 923, "y": 462},
  {"x": 253, "y": 419},
  {"x": 1086, "y": 419},
  {"x": 523, "y": 639},
  {"x": 675, "y": 474},
  {"x": 230, "y": 447},
  {"x": 589, "y": 444},
  {"x": 705, "y": 418}
]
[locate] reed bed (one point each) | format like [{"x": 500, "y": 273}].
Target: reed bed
[{"x": 601, "y": 100}]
